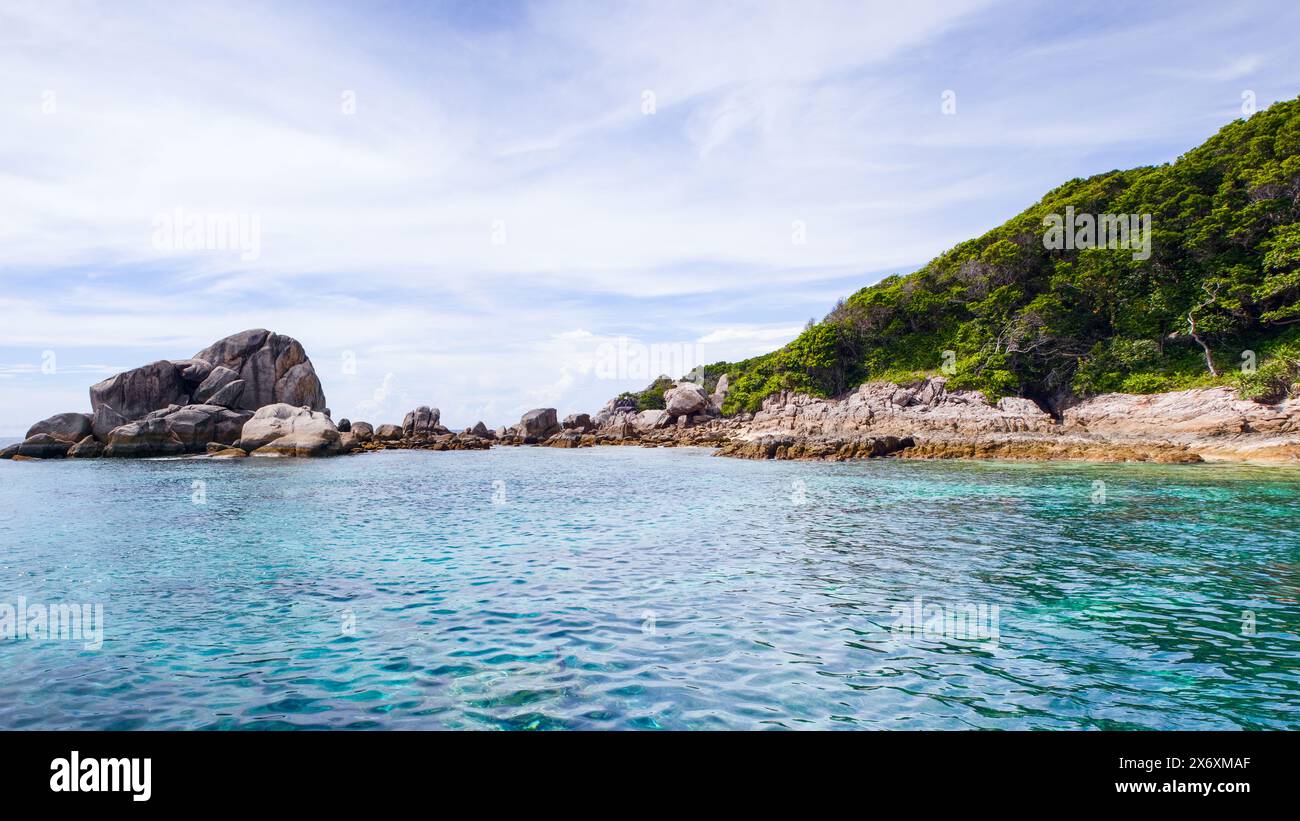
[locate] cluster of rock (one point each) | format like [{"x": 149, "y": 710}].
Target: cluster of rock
[
  {"x": 256, "y": 393},
  {"x": 422, "y": 429},
  {"x": 180, "y": 406}
]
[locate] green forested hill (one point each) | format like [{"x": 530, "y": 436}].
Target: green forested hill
[{"x": 1020, "y": 319}]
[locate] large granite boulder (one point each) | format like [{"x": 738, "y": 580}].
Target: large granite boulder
[
  {"x": 685, "y": 399},
  {"x": 40, "y": 446},
  {"x": 218, "y": 379},
  {"x": 65, "y": 427},
  {"x": 650, "y": 419},
  {"x": 423, "y": 421},
  {"x": 388, "y": 433},
  {"x": 363, "y": 431},
  {"x": 539, "y": 423},
  {"x": 87, "y": 448},
  {"x": 283, "y": 430},
  {"x": 481, "y": 429},
  {"x": 580, "y": 422},
  {"x": 175, "y": 430},
  {"x": 132, "y": 394},
  {"x": 274, "y": 368}
]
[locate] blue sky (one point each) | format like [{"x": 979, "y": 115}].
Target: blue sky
[{"x": 499, "y": 201}]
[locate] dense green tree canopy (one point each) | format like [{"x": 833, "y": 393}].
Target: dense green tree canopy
[{"x": 1008, "y": 315}]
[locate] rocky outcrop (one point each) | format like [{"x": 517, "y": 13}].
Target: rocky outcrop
[
  {"x": 822, "y": 447},
  {"x": 40, "y": 446},
  {"x": 481, "y": 429},
  {"x": 650, "y": 419},
  {"x": 87, "y": 448},
  {"x": 388, "y": 433},
  {"x": 720, "y": 391},
  {"x": 274, "y": 368},
  {"x": 538, "y": 423},
  {"x": 422, "y": 422},
  {"x": 283, "y": 430},
  {"x": 65, "y": 427},
  {"x": 177, "y": 406},
  {"x": 685, "y": 399},
  {"x": 579, "y": 422},
  {"x": 1181, "y": 426},
  {"x": 220, "y": 381},
  {"x": 362, "y": 430},
  {"x": 132, "y": 394},
  {"x": 176, "y": 430}
]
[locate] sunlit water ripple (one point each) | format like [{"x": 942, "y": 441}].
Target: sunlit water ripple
[{"x": 621, "y": 588}]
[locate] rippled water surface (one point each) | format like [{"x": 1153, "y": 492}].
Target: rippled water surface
[{"x": 620, "y": 588}]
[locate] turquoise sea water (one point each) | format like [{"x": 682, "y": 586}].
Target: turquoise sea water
[{"x": 629, "y": 588}]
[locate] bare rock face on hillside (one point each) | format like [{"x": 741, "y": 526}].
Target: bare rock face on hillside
[{"x": 883, "y": 408}]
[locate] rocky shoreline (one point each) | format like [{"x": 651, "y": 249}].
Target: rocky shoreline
[{"x": 256, "y": 394}]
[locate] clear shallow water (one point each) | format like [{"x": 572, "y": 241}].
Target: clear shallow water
[{"x": 620, "y": 588}]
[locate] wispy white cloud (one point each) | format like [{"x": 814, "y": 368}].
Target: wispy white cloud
[{"x": 499, "y": 203}]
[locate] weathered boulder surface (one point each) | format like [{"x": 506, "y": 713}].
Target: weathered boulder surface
[
  {"x": 40, "y": 446},
  {"x": 388, "y": 433},
  {"x": 274, "y": 368},
  {"x": 538, "y": 423},
  {"x": 685, "y": 399},
  {"x": 362, "y": 430},
  {"x": 423, "y": 422},
  {"x": 579, "y": 422},
  {"x": 481, "y": 429},
  {"x": 65, "y": 427},
  {"x": 176, "y": 430},
  {"x": 883, "y": 408},
  {"x": 218, "y": 377},
  {"x": 283, "y": 430},
  {"x": 720, "y": 391},
  {"x": 87, "y": 448},
  {"x": 132, "y": 394},
  {"x": 650, "y": 419},
  {"x": 244, "y": 371}
]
